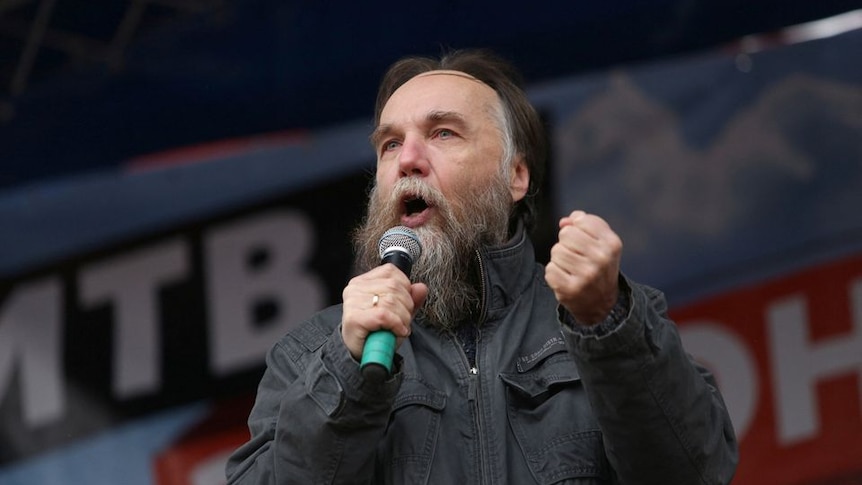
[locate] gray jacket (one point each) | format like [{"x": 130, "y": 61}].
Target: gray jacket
[{"x": 546, "y": 402}]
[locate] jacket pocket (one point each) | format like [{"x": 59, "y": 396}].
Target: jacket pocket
[
  {"x": 407, "y": 449},
  {"x": 551, "y": 418}
]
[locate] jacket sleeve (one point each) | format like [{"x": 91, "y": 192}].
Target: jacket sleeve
[
  {"x": 661, "y": 414},
  {"x": 314, "y": 419}
]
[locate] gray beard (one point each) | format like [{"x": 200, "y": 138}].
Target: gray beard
[{"x": 450, "y": 243}]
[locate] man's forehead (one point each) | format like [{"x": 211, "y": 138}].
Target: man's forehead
[
  {"x": 478, "y": 93},
  {"x": 457, "y": 76},
  {"x": 450, "y": 72}
]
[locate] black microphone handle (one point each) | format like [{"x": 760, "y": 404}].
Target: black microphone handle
[{"x": 401, "y": 259}]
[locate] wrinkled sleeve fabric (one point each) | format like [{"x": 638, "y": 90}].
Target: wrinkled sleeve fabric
[
  {"x": 661, "y": 414},
  {"x": 314, "y": 420}
]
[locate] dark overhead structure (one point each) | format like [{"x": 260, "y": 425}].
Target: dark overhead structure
[{"x": 93, "y": 82}]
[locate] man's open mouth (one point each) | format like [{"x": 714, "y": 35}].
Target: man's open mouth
[
  {"x": 414, "y": 205},
  {"x": 416, "y": 211}
]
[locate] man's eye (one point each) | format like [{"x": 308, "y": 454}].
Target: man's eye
[
  {"x": 390, "y": 145},
  {"x": 444, "y": 133}
]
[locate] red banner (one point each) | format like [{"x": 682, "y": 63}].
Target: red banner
[{"x": 788, "y": 356}]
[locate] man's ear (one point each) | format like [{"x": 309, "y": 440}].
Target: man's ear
[{"x": 520, "y": 180}]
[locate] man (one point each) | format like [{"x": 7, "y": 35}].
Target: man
[{"x": 506, "y": 372}]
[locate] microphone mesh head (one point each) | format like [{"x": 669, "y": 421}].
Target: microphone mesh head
[{"x": 400, "y": 238}]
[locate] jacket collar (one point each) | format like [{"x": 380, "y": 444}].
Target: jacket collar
[{"x": 507, "y": 271}]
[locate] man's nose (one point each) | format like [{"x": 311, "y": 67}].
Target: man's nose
[{"x": 413, "y": 158}]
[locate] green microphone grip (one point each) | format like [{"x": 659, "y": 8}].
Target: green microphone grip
[{"x": 377, "y": 355}]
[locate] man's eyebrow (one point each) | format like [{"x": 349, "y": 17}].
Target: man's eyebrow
[
  {"x": 386, "y": 129},
  {"x": 379, "y": 133},
  {"x": 450, "y": 116}
]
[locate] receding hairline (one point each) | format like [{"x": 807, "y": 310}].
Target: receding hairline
[
  {"x": 447, "y": 72},
  {"x": 450, "y": 72}
]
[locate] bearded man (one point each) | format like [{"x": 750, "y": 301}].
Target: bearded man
[{"x": 506, "y": 371}]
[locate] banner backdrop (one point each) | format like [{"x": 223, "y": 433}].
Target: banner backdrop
[
  {"x": 736, "y": 186},
  {"x": 136, "y": 307}
]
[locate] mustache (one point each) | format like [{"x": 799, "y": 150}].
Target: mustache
[
  {"x": 413, "y": 187},
  {"x": 386, "y": 209}
]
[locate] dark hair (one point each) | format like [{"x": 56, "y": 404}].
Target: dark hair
[{"x": 527, "y": 131}]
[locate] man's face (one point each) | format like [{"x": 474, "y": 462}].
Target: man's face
[
  {"x": 442, "y": 127},
  {"x": 439, "y": 150}
]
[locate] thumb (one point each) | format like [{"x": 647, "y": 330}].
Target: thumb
[{"x": 418, "y": 291}]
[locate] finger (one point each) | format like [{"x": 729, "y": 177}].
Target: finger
[
  {"x": 595, "y": 227},
  {"x": 554, "y": 275},
  {"x": 400, "y": 308},
  {"x": 419, "y": 292},
  {"x": 588, "y": 251},
  {"x": 378, "y": 299},
  {"x": 386, "y": 281},
  {"x": 575, "y": 270},
  {"x": 390, "y": 296},
  {"x": 567, "y": 258},
  {"x": 563, "y": 283},
  {"x": 386, "y": 274},
  {"x": 575, "y": 239},
  {"x": 393, "y": 312},
  {"x": 571, "y": 218}
]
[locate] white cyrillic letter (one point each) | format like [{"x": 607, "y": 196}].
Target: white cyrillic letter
[
  {"x": 130, "y": 282},
  {"x": 798, "y": 363},
  {"x": 727, "y": 357},
  {"x": 259, "y": 286},
  {"x": 30, "y": 333}
]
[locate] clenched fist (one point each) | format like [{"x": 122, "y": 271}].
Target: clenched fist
[{"x": 585, "y": 266}]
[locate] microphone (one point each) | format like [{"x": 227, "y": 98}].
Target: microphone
[{"x": 401, "y": 247}]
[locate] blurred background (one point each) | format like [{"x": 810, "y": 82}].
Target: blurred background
[{"x": 178, "y": 179}]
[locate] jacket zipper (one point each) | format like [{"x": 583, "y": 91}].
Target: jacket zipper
[
  {"x": 483, "y": 291},
  {"x": 474, "y": 375},
  {"x": 480, "y": 432}
]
